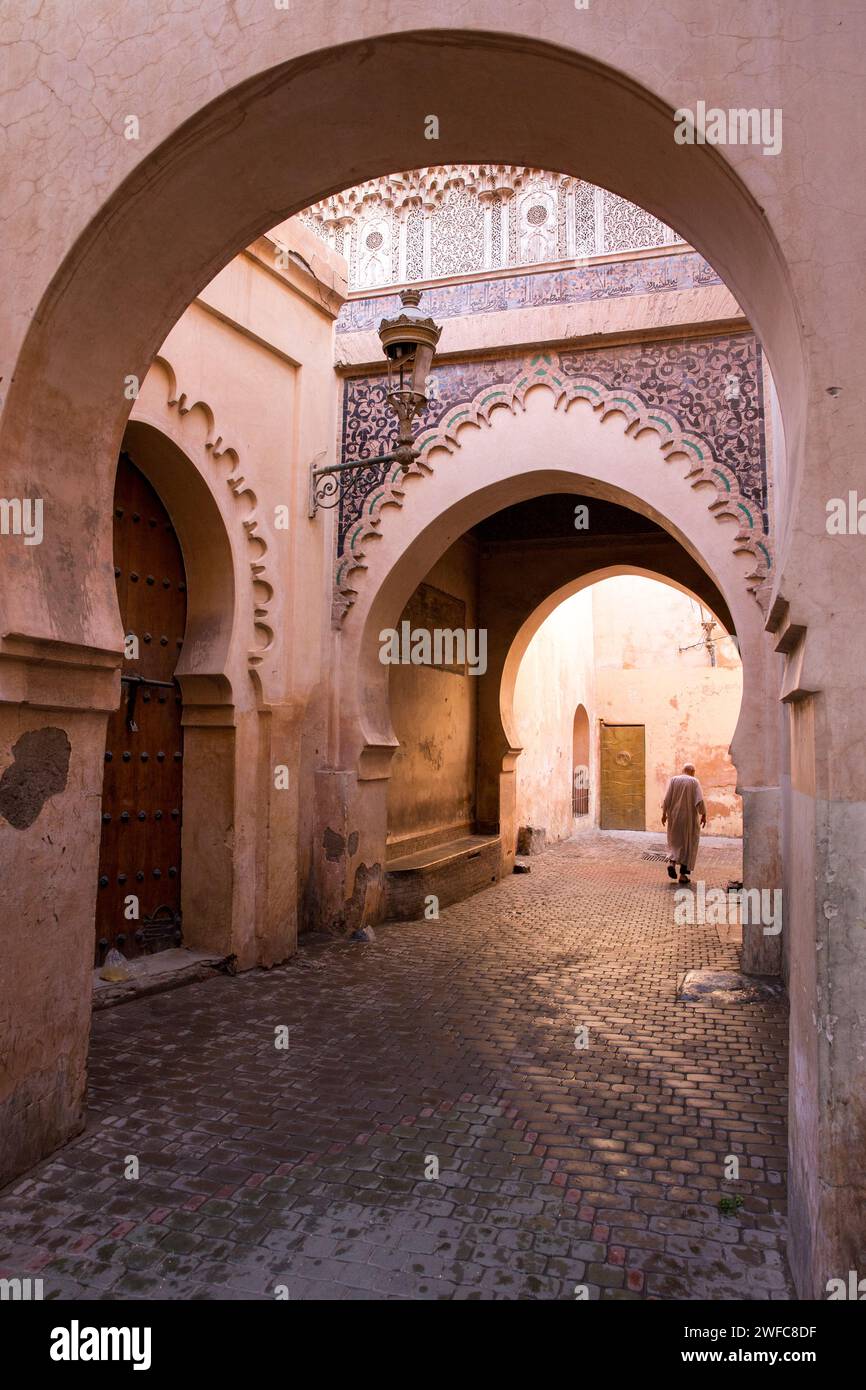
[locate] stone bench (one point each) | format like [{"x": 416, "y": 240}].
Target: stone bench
[{"x": 451, "y": 872}]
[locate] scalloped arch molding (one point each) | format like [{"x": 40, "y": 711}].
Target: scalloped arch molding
[
  {"x": 544, "y": 369},
  {"x": 215, "y": 449}
]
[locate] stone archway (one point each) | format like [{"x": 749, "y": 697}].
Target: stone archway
[
  {"x": 534, "y": 620},
  {"x": 508, "y": 736},
  {"x": 235, "y": 824},
  {"x": 77, "y": 355},
  {"x": 96, "y": 324},
  {"x": 531, "y": 599},
  {"x": 568, "y": 384},
  {"x": 488, "y": 464},
  {"x": 205, "y": 678}
]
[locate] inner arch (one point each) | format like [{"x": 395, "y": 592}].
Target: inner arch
[
  {"x": 533, "y": 623},
  {"x": 659, "y": 683}
]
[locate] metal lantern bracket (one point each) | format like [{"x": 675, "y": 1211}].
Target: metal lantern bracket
[
  {"x": 325, "y": 490},
  {"x": 409, "y": 341}
]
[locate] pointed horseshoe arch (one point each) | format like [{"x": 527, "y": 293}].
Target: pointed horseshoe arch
[
  {"x": 675, "y": 446},
  {"x": 543, "y": 441},
  {"x": 527, "y": 630},
  {"x": 195, "y": 430}
]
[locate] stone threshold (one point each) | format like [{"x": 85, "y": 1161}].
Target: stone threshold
[{"x": 165, "y": 970}]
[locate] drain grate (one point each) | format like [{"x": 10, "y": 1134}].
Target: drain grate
[{"x": 660, "y": 855}]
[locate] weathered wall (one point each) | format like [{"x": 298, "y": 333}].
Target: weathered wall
[
  {"x": 811, "y": 1023},
  {"x": 689, "y": 708},
  {"x": 226, "y": 391},
  {"x": 556, "y": 675},
  {"x": 432, "y": 786},
  {"x": 222, "y": 464},
  {"x": 669, "y": 288},
  {"x": 47, "y": 775}
]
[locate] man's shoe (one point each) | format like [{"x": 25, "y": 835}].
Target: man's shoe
[
  {"x": 684, "y": 878},
  {"x": 672, "y": 873}
]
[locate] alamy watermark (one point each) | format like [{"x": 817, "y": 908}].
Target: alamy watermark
[
  {"x": 439, "y": 646},
  {"x": 720, "y": 907},
  {"x": 738, "y": 126},
  {"x": 21, "y": 1290},
  {"x": 854, "y": 1289},
  {"x": 22, "y": 516},
  {"x": 77, "y": 1343},
  {"x": 846, "y": 516}
]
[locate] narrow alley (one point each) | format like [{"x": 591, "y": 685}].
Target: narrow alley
[{"x": 309, "y": 1171}]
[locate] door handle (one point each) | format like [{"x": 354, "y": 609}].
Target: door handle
[{"x": 134, "y": 683}]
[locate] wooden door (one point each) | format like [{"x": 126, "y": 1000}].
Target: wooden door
[
  {"x": 623, "y": 777},
  {"x": 141, "y": 794}
]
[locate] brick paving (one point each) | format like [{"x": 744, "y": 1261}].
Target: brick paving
[{"x": 302, "y": 1172}]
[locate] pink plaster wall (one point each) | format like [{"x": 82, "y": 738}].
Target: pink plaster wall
[
  {"x": 689, "y": 708},
  {"x": 615, "y": 648},
  {"x": 556, "y": 675}
]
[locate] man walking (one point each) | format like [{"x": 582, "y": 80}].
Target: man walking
[{"x": 681, "y": 808}]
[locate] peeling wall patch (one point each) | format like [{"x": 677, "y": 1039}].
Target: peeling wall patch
[{"x": 39, "y": 770}]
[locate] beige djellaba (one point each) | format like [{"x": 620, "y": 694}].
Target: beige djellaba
[{"x": 683, "y": 805}]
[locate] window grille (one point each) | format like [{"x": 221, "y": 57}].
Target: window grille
[{"x": 580, "y": 792}]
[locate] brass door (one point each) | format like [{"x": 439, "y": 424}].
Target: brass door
[
  {"x": 623, "y": 777},
  {"x": 138, "y": 899}
]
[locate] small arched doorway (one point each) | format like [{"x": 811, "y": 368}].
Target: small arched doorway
[
  {"x": 580, "y": 765},
  {"x": 138, "y": 902}
]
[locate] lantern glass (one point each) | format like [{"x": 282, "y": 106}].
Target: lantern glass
[{"x": 421, "y": 368}]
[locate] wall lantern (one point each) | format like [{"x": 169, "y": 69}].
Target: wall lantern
[{"x": 409, "y": 342}]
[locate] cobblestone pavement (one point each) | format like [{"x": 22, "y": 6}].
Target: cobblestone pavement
[{"x": 449, "y": 1042}]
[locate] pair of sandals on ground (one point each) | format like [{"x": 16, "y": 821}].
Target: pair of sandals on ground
[{"x": 684, "y": 872}]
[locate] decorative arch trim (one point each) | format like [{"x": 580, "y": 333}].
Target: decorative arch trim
[
  {"x": 262, "y": 636},
  {"x": 545, "y": 369}
]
